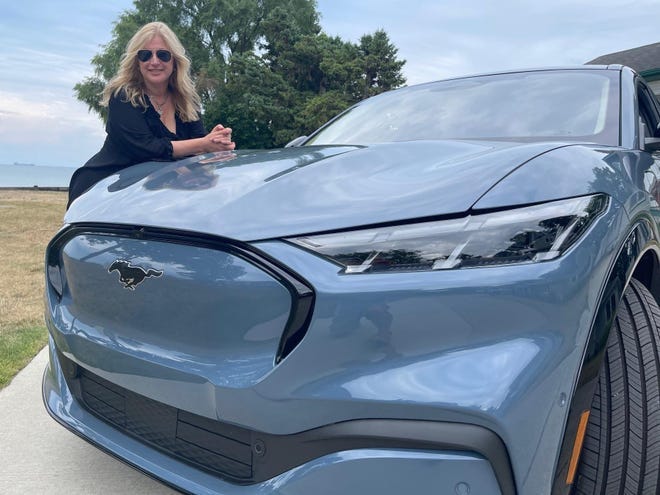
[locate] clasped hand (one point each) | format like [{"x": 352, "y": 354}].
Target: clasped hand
[{"x": 220, "y": 138}]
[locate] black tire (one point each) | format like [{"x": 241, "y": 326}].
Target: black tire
[{"x": 621, "y": 451}]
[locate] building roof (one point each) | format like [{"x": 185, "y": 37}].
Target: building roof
[{"x": 641, "y": 59}]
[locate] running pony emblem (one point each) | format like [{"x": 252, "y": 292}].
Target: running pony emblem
[{"x": 131, "y": 276}]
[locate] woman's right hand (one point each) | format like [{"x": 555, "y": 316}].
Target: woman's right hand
[{"x": 219, "y": 139}]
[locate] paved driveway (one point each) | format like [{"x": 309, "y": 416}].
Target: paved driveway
[{"x": 38, "y": 456}]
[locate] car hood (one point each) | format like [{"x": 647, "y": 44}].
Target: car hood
[{"x": 254, "y": 195}]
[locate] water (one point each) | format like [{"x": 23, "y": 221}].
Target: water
[{"x": 34, "y": 175}]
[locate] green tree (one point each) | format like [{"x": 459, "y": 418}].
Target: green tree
[
  {"x": 263, "y": 67},
  {"x": 382, "y": 70},
  {"x": 255, "y": 102}
]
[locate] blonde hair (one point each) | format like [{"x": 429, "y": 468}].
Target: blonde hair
[{"x": 186, "y": 101}]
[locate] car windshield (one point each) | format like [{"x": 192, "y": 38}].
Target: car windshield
[{"x": 574, "y": 105}]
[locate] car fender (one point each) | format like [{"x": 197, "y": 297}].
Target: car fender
[
  {"x": 639, "y": 247},
  {"x": 570, "y": 171}
]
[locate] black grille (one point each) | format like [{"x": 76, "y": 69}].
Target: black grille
[
  {"x": 222, "y": 449},
  {"x": 246, "y": 456}
]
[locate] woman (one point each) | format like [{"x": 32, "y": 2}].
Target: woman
[{"x": 153, "y": 110}]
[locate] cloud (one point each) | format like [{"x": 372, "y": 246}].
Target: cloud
[
  {"x": 46, "y": 48},
  {"x": 48, "y": 132},
  {"x": 454, "y": 37}
]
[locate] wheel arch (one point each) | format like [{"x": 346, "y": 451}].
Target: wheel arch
[
  {"x": 647, "y": 271},
  {"x": 639, "y": 258}
]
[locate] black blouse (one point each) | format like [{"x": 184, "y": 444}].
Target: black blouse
[
  {"x": 134, "y": 135},
  {"x": 137, "y": 135}
]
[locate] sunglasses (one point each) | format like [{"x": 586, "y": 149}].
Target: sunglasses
[{"x": 145, "y": 55}]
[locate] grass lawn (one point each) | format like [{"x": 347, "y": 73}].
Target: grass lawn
[{"x": 28, "y": 220}]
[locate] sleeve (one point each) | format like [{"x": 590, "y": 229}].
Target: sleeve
[
  {"x": 128, "y": 127},
  {"x": 196, "y": 129}
]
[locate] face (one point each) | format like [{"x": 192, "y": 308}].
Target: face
[{"x": 155, "y": 72}]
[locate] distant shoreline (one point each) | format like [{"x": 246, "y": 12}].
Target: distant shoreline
[
  {"x": 35, "y": 176},
  {"x": 33, "y": 188}
]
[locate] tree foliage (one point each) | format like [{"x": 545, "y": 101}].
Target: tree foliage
[{"x": 262, "y": 67}]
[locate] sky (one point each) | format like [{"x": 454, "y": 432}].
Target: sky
[{"x": 46, "y": 48}]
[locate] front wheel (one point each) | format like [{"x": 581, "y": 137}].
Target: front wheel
[{"x": 621, "y": 450}]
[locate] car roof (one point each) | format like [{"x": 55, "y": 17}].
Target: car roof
[{"x": 615, "y": 67}]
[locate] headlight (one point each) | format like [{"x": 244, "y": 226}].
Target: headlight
[{"x": 522, "y": 235}]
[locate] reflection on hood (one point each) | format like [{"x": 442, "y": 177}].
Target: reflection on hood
[{"x": 190, "y": 174}]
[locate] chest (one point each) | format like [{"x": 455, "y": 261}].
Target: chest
[
  {"x": 169, "y": 121},
  {"x": 164, "y": 123}
]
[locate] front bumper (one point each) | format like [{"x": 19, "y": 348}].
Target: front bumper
[{"x": 354, "y": 457}]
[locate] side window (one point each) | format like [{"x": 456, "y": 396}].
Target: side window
[
  {"x": 648, "y": 110},
  {"x": 649, "y": 116}
]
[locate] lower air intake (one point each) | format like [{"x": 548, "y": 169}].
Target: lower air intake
[{"x": 222, "y": 449}]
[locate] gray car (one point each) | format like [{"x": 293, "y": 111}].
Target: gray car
[{"x": 450, "y": 288}]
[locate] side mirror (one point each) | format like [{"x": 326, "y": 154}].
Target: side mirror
[
  {"x": 647, "y": 142},
  {"x": 651, "y": 144},
  {"x": 296, "y": 142}
]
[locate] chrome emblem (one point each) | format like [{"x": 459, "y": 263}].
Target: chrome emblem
[{"x": 132, "y": 276}]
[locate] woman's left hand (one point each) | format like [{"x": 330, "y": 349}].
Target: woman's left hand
[{"x": 222, "y": 135}]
